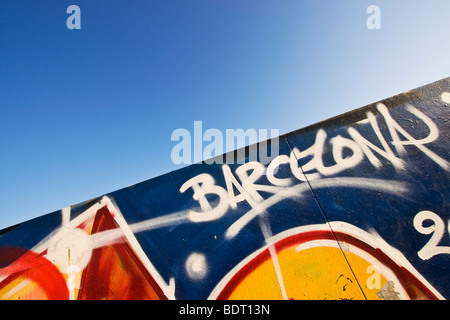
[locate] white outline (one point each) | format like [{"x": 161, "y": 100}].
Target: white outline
[
  {"x": 372, "y": 239},
  {"x": 67, "y": 226}
]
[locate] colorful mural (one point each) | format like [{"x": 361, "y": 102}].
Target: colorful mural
[{"x": 355, "y": 207}]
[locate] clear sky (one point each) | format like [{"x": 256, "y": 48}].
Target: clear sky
[{"x": 89, "y": 111}]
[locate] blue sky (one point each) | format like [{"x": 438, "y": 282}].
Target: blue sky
[{"x": 86, "y": 112}]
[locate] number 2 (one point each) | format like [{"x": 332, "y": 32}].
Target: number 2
[{"x": 431, "y": 248}]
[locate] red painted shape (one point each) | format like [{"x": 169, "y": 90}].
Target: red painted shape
[
  {"x": 30, "y": 265},
  {"x": 115, "y": 271},
  {"x": 413, "y": 286}
]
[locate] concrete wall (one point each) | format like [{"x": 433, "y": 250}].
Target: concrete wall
[{"x": 355, "y": 207}]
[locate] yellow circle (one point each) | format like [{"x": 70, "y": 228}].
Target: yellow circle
[{"x": 315, "y": 273}]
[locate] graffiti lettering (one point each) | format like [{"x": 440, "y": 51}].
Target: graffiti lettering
[
  {"x": 202, "y": 185},
  {"x": 366, "y": 146},
  {"x": 437, "y": 230},
  {"x": 360, "y": 146},
  {"x": 347, "y": 153},
  {"x": 395, "y": 128},
  {"x": 315, "y": 221}
]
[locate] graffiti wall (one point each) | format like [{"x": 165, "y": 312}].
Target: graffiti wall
[{"x": 355, "y": 207}]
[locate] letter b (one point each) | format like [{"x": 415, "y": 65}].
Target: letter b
[
  {"x": 226, "y": 309},
  {"x": 202, "y": 185}
]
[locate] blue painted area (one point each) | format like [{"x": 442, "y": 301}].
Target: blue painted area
[
  {"x": 426, "y": 182},
  {"x": 28, "y": 234},
  {"x": 378, "y": 194}
]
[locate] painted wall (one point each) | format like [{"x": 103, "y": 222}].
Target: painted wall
[{"x": 355, "y": 207}]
